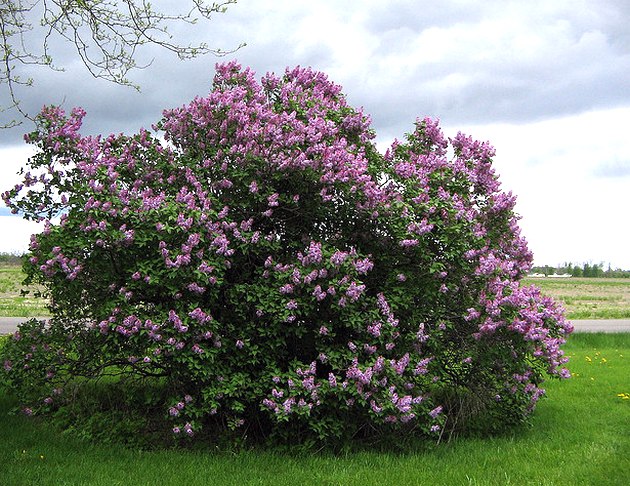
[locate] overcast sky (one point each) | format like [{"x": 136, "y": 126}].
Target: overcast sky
[{"x": 547, "y": 83}]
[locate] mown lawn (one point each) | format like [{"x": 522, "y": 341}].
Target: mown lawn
[{"x": 580, "y": 435}]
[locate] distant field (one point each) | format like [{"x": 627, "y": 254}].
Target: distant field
[
  {"x": 589, "y": 298},
  {"x": 584, "y": 298},
  {"x": 12, "y": 303}
]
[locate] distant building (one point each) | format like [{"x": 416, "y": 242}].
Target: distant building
[{"x": 562, "y": 275}]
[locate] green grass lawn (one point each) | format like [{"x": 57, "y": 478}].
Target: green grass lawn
[{"x": 580, "y": 435}]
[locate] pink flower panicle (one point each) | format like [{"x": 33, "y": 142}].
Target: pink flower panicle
[{"x": 261, "y": 209}]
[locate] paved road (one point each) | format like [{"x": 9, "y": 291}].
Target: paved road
[
  {"x": 602, "y": 325},
  {"x": 9, "y": 325}
]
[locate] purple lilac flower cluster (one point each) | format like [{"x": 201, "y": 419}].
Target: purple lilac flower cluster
[{"x": 267, "y": 256}]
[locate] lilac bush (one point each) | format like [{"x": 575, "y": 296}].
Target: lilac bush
[{"x": 274, "y": 273}]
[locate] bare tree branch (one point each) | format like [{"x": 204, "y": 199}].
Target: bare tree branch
[{"x": 106, "y": 35}]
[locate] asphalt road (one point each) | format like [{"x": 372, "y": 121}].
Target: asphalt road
[
  {"x": 602, "y": 325},
  {"x": 9, "y": 325}
]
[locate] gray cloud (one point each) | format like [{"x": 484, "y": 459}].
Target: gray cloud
[
  {"x": 549, "y": 69},
  {"x": 462, "y": 62},
  {"x": 417, "y": 16}
]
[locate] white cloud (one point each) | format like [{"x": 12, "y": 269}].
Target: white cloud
[
  {"x": 13, "y": 158},
  {"x": 16, "y": 234},
  {"x": 570, "y": 212}
]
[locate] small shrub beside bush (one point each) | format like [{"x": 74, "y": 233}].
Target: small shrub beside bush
[{"x": 277, "y": 275}]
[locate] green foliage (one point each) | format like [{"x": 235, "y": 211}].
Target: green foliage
[
  {"x": 114, "y": 411},
  {"x": 276, "y": 278}
]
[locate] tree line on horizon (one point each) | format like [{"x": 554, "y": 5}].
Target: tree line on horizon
[
  {"x": 10, "y": 258},
  {"x": 587, "y": 269}
]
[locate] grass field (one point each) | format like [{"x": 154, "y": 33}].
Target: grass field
[
  {"x": 12, "y": 303},
  {"x": 579, "y": 436},
  {"x": 589, "y": 298}
]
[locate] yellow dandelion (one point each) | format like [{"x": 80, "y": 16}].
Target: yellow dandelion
[
  {"x": 588, "y": 358},
  {"x": 592, "y": 378}
]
